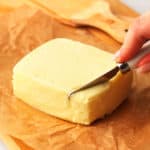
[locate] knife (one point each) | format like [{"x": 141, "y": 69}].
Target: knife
[{"x": 122, "y": 67}]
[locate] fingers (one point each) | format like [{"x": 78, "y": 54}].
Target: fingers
[{"x": 137, "y": 35}]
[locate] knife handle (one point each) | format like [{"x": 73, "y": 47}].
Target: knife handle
[{"x": 132, "y": 63}]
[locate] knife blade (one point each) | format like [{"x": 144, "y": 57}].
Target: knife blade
[{"x": 123, "y": 67}]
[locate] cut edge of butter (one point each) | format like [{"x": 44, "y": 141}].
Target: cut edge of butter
[{"x": 84, "y": 107}]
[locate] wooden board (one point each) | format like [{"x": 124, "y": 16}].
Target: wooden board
[
  {"x": 102, "y": 14},
  {"x": 115, "y": 25},
  {"x": 9, "y": 5}
]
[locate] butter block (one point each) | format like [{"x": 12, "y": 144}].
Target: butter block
[{"x": 45, "y": 77}]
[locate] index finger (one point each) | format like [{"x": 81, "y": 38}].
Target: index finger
[{"x": 137, "y": 35}]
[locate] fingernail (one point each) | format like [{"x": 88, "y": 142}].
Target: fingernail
[{"x": 116, "y": 55}]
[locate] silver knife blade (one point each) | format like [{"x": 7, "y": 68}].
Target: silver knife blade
[
  {"x": 123, "y": 67},
  {"x": 103, "y": 78}
]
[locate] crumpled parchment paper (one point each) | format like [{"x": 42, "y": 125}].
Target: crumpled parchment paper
[{"x": 127, "y": 128}]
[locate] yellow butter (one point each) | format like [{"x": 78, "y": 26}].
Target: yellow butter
[{"x": 45, "y": 77}]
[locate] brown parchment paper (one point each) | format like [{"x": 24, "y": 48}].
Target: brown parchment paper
[
  {"x": 14, "y": 143},
  {"x": 127, "y": 128}
]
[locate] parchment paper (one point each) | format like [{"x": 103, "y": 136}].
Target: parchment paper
[{"x": 127, "y": 128}]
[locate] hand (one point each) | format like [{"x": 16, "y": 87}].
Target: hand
[{"x": 138, "y": 34}]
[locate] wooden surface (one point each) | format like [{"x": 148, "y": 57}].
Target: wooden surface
[
  {"x": 113, "y": 17},
  {"x": 115, "y": 25},
  {"x": 127, "y": 128}
]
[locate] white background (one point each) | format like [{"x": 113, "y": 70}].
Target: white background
[{"x": 139, "y": 5}]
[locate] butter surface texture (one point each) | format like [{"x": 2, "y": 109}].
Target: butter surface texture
[{"x": 45, "y": 77}]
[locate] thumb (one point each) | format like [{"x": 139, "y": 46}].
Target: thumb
[{"x": 137, "y": 35}]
